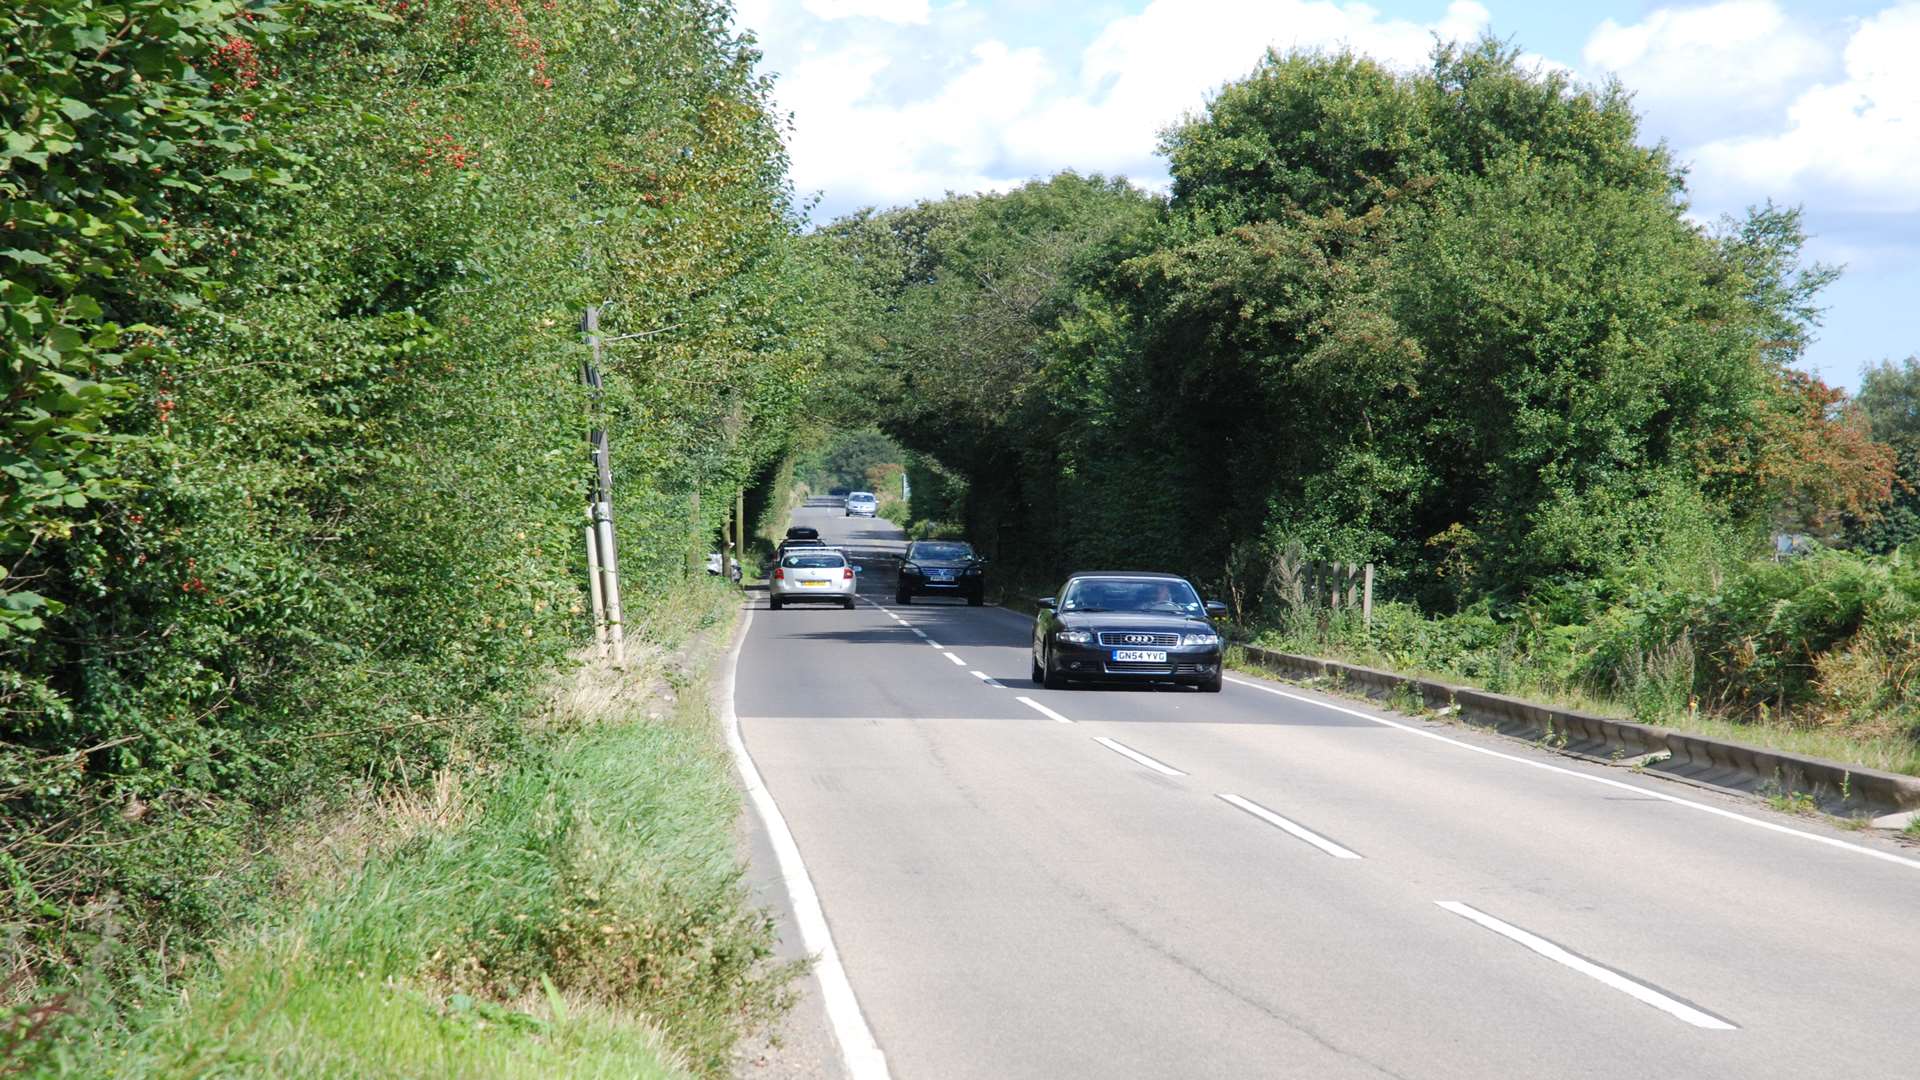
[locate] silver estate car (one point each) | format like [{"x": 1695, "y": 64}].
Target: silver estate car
[{"x": 817, "y": 574}]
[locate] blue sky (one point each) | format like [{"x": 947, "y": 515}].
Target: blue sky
[{"x": 1814, "y": 104}]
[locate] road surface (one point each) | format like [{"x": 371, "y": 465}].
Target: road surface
[{"x": 1270, "y": 882}]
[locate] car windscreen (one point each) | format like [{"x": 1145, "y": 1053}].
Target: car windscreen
[
  {"x": 859, "y": 496},
  {"x": 1160, "y": 596},
  {"x": 814, "y": 562},
  {"x": 940, "y": 551}
]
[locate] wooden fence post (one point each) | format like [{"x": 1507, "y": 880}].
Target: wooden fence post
[{"x": 1366, "y": 598}]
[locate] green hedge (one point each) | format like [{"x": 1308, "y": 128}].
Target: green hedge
[{"x": 294, "y": 447}]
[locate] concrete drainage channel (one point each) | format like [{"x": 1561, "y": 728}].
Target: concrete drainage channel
[{"x": 1890, "y": 799}]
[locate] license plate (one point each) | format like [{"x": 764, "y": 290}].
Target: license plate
[
  {"x": 1138, "y": 656},
  {"x": 815, "y": 584}
]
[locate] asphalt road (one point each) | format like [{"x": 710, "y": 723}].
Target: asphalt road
[{"x": 1269, "y": 882}]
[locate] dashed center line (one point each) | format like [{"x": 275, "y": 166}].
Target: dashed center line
[
  {"x": 917, "y": 630},
  {"x": 988, "y": 679},
  {"x": 1128, "y": 752},
  {"x": 1296, "y": 831},
  {"x": 932, "y": 642},
  {"x": 1042, "y": 709},
  {"x": 1637, "y": 990},
  {"x": 1872, "y": 853},
  {"x": 954, "y": 658}
]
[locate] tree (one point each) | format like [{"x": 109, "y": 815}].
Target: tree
[{"x": 1890, "y": 399}]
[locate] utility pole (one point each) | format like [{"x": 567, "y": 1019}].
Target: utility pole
[
  {"x": 593, "y": 579},
  {"x": 696, "y": 539},
  {"x": 602, "y": 549},
  {"x": 740, "y": 527}
]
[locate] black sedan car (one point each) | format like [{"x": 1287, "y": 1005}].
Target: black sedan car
[
  {"x": 1127, "y": 627},
  {"x": 941, "y": 568}
]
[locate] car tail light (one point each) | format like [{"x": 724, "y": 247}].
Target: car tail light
[
  {"x": 779, "y": 574},
  {"x": 847, "y": 575}
]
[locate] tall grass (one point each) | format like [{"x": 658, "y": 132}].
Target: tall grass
[
  {"x": 1817, "y": 655},
  {"x": 577, "y": 911}
]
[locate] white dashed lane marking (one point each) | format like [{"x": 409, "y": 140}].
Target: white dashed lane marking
[{"x": 1128, "y": 752}]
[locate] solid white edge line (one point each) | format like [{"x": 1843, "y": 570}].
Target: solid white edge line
[
  {"x": 954, "y": 658},
  {"x": 1296, "y": 831},
  {"x": 1716, "y": 811},
  {"x": 1636, "y": 990},
  {"x": 859, "y": 1051},
  {"x": 988, "y": 679},
  {"x": 1128, "y": 752},
  {"x": 1042, "y": 709}
]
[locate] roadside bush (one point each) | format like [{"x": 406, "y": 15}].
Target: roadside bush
[
  {"x": 1830, "y": 639},
  {"x": 293, "y": 472}
]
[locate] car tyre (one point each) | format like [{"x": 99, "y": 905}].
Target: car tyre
[
  {"x": 774, "y": 603},
  {"x": 903, "y": 598},
  {"x": 1039, "y": 676},
  {"x": 1052, "y": 679},
  {"x": 847, "y": 603},
  {"x": 976, "y": 600},
  {"x": 1212, "y": 686}
]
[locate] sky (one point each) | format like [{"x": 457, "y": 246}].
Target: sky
[{"x": 1815, "y": 104}]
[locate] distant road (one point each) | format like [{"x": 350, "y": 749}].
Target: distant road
[{"x": 1116, "y": 883}]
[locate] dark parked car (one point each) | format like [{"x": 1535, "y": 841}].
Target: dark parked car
[
  {"x": 1127, "y": 627},
  {"x": 941, "y": 568},
  {"x": 796, "y": 542}
]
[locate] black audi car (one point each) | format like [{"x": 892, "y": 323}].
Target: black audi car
[
  {"x": 941, "y": 568},
  {"x": 1127, "y": 627}
]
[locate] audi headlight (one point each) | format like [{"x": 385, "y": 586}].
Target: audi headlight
[
  {"x": 1073, "y": 637},
  {"x": 1200, "y": 639}
]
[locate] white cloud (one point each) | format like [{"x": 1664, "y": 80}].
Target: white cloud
[
  {"x": 1146, "y": 71},
  {"x": 904, "y": 12},
  {"x": 1006, "y": 114},
  {"x": 1854, "y": 141},
  {"x": 1702, "y": 70}
]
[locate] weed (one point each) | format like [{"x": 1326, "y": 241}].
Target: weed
[
  {"x": 1793, "y": 802},
  {"x": 1404, "y": 697}
]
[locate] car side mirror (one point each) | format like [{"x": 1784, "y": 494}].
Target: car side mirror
[
  {"x": 1045, "y": 602},
  {"x": 1216, "y": 608},
  {"x": 858, "y": 569}
]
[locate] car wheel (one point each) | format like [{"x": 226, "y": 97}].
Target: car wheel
[
  {"x": 847, "y": 603},
  {"x": 903, "y": 598},
  {"x": 774, "y": 603},
  {"x": 1038, "y": 675},
  {"x": 1052, "y": 679},
  {"x": 976, "y": 600},
  {"x": 1212, "y": 686}
]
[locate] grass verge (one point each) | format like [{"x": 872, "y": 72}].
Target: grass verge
[
  {"x": 577, "y": 912},
  {"x": 1889, "y": 751}
]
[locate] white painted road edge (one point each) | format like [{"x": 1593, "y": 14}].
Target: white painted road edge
[
  {"x": 1297, "y": 831},
  {"x": 1637, "y": 991},
  {"x": 1834, "y": 842},
  {"x": 859, "y": 1051},
  {"x": 1128, "y": 752}
]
